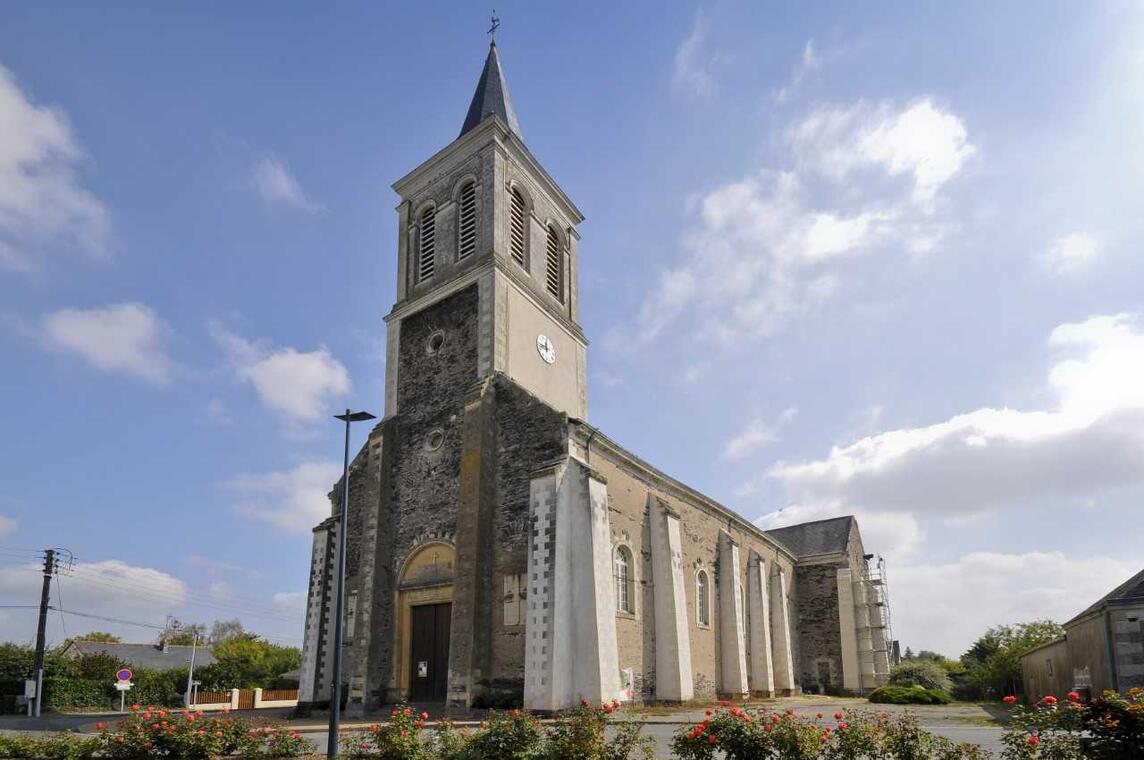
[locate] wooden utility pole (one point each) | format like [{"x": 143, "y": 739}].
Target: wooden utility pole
[{"x": 38, "y": 668}]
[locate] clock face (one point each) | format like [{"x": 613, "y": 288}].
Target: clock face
[{"x": 545, "y": 348}]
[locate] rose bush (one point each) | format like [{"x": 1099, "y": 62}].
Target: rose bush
[
  {"x": 741, "y": 734},
  {"x": 189, "y": 735}
]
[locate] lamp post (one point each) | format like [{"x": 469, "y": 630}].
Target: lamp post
[{"x": 339, "y": 596}]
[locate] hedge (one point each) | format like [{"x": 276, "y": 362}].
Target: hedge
[{"x": 909, "y": 695}]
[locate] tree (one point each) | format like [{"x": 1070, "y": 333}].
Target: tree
[
  {"x": 224, "y": 630},
  {"x": 246, "y": 661},
  {"x": 183, "y": 634},
  {"x": 101, "y": 636},
  {"x": 909, "y": 655},
  {"x": 918, "y": 672},
  {"x": 993, "y": 662}
]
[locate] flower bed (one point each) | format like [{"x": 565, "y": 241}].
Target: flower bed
[
  {"x": 1110, "y": 728},
  {"x": 735, "y": 733}
]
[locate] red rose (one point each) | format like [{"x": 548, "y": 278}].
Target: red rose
[
  {"x": 843, "y": 726},
  {"x": 1050, "y": 700},
  {"x": 711, "y": 739},
  {"x": 1010, "y": 699},
  {"x": 838, "y": 716},
  {"x": 1073, "y": 696},
  {"x": 425, "y": 715},
  {"x": 1034, "y": 740}
]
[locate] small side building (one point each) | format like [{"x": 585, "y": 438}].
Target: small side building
[{"x": 1103, "y": 648}]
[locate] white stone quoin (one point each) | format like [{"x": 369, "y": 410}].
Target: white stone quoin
[
  {"x": 570, "y": 634},
  {"x": 759, "y": 608},
  {"x": 781, "y": 633},
  {"x": 851, "y": 674},
  {"x": 731, "y": 625},
  {"x": 673, "y": 681}
]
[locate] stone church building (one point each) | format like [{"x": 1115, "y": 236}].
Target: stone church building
[{"x": 501, "y": 548}]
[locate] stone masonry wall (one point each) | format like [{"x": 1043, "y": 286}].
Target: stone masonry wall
[
  {"x": 528, "y": 433},
  {"x": 819, "y": 665}
]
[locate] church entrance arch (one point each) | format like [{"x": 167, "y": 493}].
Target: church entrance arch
[{"x": 424, "y": 607}]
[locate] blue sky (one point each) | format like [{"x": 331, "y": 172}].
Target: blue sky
[{"x": 836, "y": 259}]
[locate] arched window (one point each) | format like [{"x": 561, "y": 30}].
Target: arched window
[
  {"x": 553, "y": 272},
  {"x": 426, "y": 244},
  {"x": 702, "y": 598},
  {"x": 467, "y": 227},
  {"x": 625, "y": 596},
  {"x": 516, "y": 226}
]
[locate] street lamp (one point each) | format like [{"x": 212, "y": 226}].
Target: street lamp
[{"x": 339, "y": 604}]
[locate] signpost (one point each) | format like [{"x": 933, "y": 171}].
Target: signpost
[{"x": 123, "y": 684}]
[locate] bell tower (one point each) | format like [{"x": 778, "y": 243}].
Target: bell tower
[{"x": 483, "y": 215}]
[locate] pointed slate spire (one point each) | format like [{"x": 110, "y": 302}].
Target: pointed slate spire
[{"x": 491, "y": 97}]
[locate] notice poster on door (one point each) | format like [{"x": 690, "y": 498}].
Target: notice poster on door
[{"x": 422, "y": 668}]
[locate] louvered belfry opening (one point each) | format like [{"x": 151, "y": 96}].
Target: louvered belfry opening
[
  {"x": 467, "y": 229},
  {"x": 552, "y": 268},
  {"x": 427, "y": 244},
  {"x": 516, "y": 227}
]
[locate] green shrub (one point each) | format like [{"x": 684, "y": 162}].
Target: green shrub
[
  {"x": 733, "y": 733},
  {"x": 925, "y": 673},
  {"x": 62, "y": 746},
  {"x": 909, "y": 695},
  {"x": 579, "y": 735}
]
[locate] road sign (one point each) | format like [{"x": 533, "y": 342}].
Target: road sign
[
  {"x": 123, "y": 685},
  {"x": 123, "y": 675}
]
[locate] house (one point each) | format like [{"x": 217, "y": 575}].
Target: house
[
  {"x": 150, "y": 656},
  {"x": 1103, "y": 648}
]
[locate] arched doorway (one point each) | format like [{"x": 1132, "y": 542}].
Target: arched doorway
[{"x": 424, "y": 604}]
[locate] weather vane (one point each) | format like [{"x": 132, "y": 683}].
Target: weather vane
[{"x": 495, "y": 25}]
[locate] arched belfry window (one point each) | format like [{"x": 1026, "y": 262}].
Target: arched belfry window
[
  {"x": 553, "y": 271},
  {"x": 516, "y": 227},
  {"x": 625, "y": 592},
  {"x": 427, "y": 244},
  {"x": 702, "y": 598},
  {"x": 467, "y": 226}
]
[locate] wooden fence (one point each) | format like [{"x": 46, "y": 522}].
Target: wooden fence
[{"x": 245, "y": 699}]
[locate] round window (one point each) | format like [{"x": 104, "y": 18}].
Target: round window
[
  {"x": 435, "y": 440},
  {"x": 435, "y": 343}
]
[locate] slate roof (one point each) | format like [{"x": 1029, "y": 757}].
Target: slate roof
[
  {"x": 1129, "y": 592},
  {"x": 491, "y": 97},
  {"x": 818, "y": 537},
  {"x": 146, "y": 655}
]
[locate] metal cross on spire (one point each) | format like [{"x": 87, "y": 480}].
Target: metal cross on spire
[{"x": 495, "y": 24}]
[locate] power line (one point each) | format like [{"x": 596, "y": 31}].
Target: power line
[
  {"x": 231, "y": 604},
  {"x": 188, "y": 599},
  {"x": 63, "y": 621}
]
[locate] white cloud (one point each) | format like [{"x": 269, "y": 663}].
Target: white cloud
[
  {"x": 221, "y": 590},
  {"x": 295, "y": 499},
  {"x": 694, "y": 64},
  {"x": 276, "y": 185},
  {"x": 755, "y": 435},
  {"x": 298, "y": 384},
  {"x": 293, "y": 601},
  {"x": 769, "y": 246},
  {"x": 122, "y": 338},
  {"x": 42, "y": 205},
  {"x": 1091, "y": 441},
  {"x": 923, "y": 141},
  {"x": 109, "y": 587},
  {"x": 809, "y": 62},
  {"x": 1071, "y": 254},
  {"x": 945, "y": 607},
  {"x": 7, "y": 526}
]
